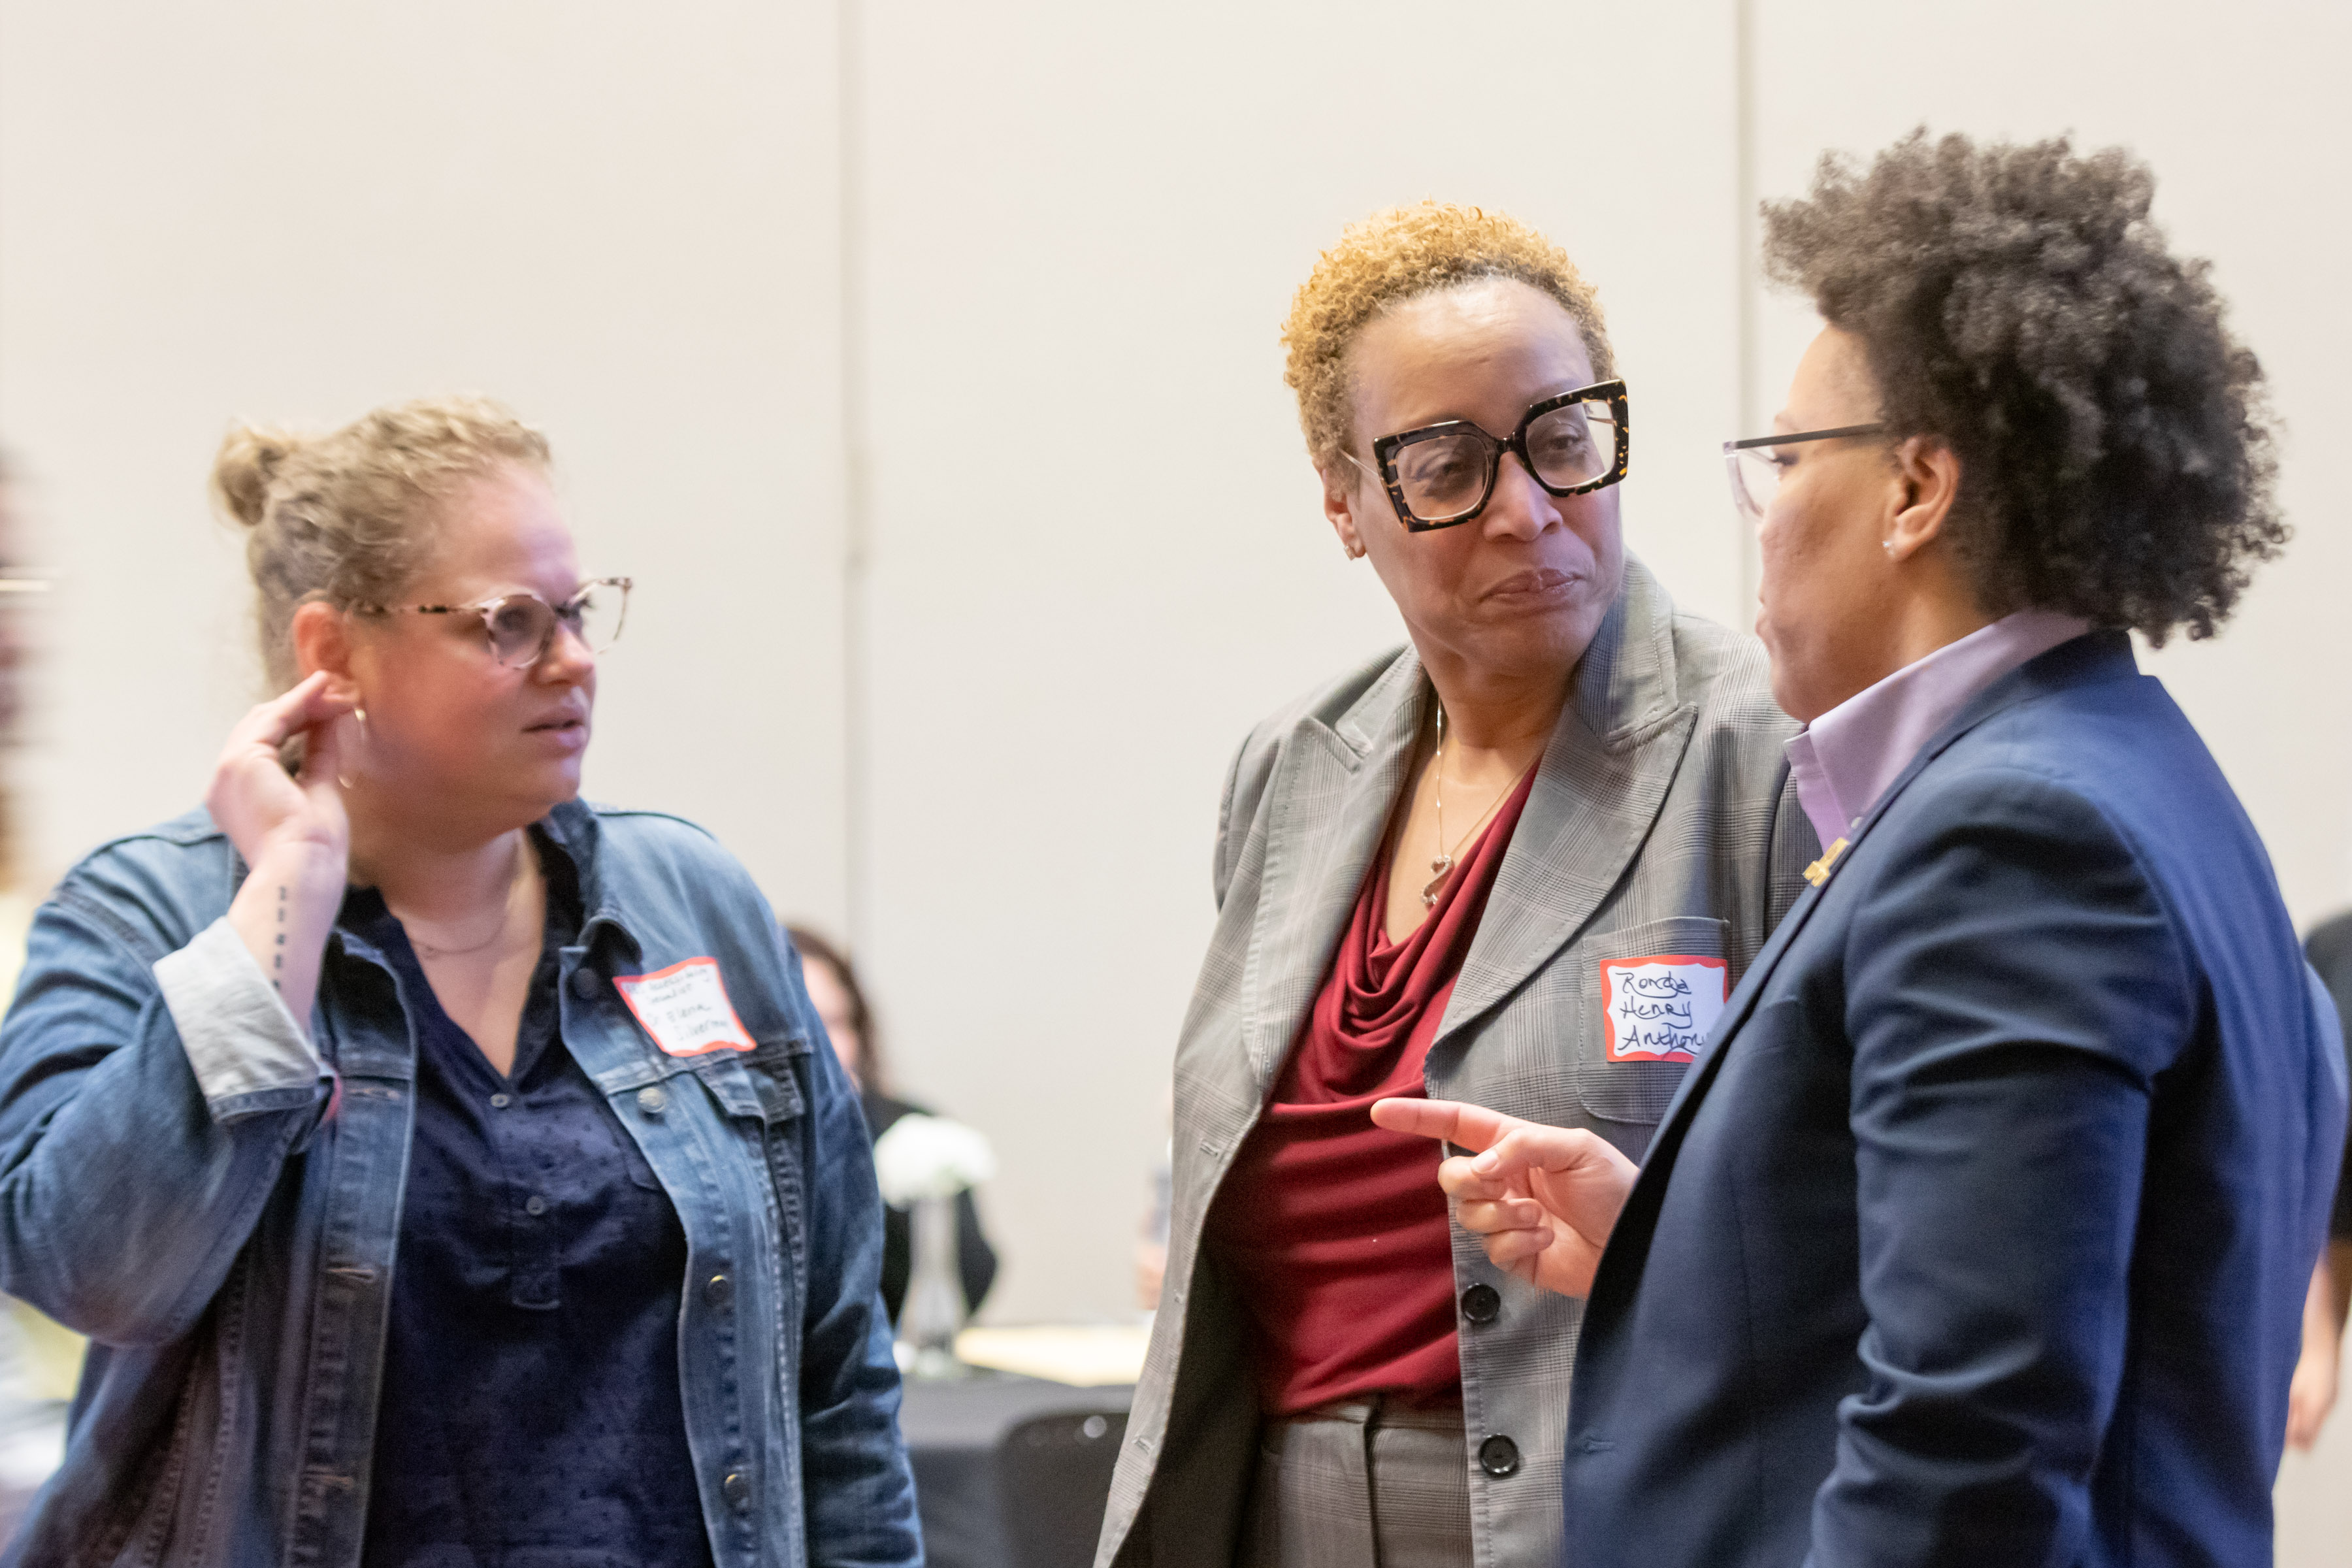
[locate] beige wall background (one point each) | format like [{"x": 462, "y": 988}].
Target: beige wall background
[{"x": 920, "y": 362}]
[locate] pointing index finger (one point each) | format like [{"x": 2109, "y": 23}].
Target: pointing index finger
[{"x": 1471, "y": 1127}]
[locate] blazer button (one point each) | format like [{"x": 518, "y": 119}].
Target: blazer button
[
  {"x": 720, "y": 1291},
  {"x": 1499, "y": 1455},
  {"x": 737, "y": 1489},
  {"x": 652, "y": 1100},
  {"x": 1481, "y": 1303},
  {"x": 584, "y": 985}
]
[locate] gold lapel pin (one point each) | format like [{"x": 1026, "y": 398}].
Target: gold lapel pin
[{"x": 1819, "y": 871}]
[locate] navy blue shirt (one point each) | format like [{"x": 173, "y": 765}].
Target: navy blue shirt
[{"x": 530, "y": 1415}]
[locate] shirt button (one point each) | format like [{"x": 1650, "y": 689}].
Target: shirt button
[
  {"x": 534, "y": 1204},
  {"x": 1499, "y": 1455},
  {"x": 737, "y": 1489},
  {"x": 500, "y": 1102},
  {"x": 652, "y": 1100},
  {"x": 584, "y": 985},
  {"x": 1481, "y": 1303},
  {"x": 720, "y": 1291}
]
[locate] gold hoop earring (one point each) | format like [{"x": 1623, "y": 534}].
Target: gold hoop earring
[{"x": 360, "y": 715}]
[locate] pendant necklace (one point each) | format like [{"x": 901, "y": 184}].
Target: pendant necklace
[{"x": 1445, "y": 862}]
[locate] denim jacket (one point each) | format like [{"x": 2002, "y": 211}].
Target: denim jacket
[{"x": 216, "y": 1204}]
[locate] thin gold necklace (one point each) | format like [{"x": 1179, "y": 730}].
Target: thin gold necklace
[
  {"x": 506, "y": 919},
  {"x": 1445, "y": 862}
]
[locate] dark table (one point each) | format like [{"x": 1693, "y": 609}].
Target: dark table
[{"x": 953, "y": 1430}]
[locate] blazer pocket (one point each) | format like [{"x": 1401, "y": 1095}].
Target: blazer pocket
[{"x": 1649, "y": 996}]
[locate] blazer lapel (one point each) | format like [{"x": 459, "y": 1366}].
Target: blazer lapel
[
  {"x": 1332, "y": 792},
  {"x": 2096, "y": 656},
  {"x": 1603, "y": 777}
]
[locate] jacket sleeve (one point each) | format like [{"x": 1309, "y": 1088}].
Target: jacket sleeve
[
  {"x": 135, "y": 1158},
  {"x": 2013, "y": 987},
  {"x": 857, "y": 1490}
]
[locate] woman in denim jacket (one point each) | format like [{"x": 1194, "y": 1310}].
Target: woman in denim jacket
[{"x": 445, "y": 1171}]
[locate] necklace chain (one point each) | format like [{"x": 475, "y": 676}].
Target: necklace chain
[
  {"x": 1445, "y": 862},
  {"x": 506, "y": 919}
]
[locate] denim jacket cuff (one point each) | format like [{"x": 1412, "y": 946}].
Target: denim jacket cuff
[{"x": 247, "y": 1051}]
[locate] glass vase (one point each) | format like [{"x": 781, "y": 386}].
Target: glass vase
[{"x": 933, "y": 1312}]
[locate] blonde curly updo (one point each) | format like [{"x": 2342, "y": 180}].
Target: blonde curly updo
[
  {"x": 350, "y": 517},
  {"x": 1399, "y": 254}
]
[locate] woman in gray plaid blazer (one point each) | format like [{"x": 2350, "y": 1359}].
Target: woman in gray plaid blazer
[{"x": 1519, "y": 862}]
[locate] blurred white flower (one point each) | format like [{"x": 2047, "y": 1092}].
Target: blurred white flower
[{"x": 929, "y": 1157}]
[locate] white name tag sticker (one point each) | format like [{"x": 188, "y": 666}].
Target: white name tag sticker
[
  {"x": 1660, "y": 1008},
  {"x": 685, "y": 1008}
]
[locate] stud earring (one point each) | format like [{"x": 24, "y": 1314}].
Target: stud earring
[{"x": 1887, "y": 545}]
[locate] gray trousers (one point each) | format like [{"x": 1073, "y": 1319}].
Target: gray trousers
[{"x": 1363, "y": 1484}]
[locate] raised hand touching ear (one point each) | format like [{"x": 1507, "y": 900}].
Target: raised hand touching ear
[{"x": 293, "y": 833}]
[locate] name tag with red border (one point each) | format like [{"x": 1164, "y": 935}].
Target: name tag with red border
[
  {"x": 1659, "y": 1008},
  {"x": 685, "y": 1008}
]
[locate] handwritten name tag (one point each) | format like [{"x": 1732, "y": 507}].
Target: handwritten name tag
[
  {"x": 1660, "y": 1008},
  {"x": 685, "y": 1008}
]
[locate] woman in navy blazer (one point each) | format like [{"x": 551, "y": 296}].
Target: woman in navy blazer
[{"x": 1979, "y": 1231}]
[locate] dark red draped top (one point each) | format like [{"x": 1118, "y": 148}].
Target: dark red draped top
[{"x": 1333, "y": 1230}]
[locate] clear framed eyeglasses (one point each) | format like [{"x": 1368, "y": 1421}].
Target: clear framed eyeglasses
[
  {"x": 518, "y": 628},
  {"x": 1756, "y": 464}
]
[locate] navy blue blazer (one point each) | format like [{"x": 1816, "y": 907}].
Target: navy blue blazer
[{"x": 1981, "y": 1231}]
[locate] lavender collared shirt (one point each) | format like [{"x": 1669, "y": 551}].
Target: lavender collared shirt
[{"x": 1844, "y": 759}]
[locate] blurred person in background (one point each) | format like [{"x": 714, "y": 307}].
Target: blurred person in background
[
  {"x": 849, "y": 1023},
  {"x": 2317, "y": 1372},
  {"x": 444, "y": 1170},
  {"x": 40, "y": 1360},
  {"x": 1982, "y": 1233},
  {"x": 1467, "y": 863}
]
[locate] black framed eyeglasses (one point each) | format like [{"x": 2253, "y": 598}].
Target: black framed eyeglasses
[
  {"x": 1755, "y": 469},
  {"x": 1442, "y": 475},
  {"x": 520, "y": 628}
]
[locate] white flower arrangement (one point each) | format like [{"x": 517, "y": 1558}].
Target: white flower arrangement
[{"x": 929, "y": 1157}]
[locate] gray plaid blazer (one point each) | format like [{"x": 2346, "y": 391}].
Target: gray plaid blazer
[{"x": 1661, "y": 822}]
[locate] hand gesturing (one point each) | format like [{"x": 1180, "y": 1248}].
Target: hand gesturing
[{"x": 1545, "y": 1198}]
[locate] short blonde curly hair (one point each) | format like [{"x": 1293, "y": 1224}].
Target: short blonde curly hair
[{"x": 1399, "y": 254}]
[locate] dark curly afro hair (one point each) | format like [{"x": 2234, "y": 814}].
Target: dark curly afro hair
[{"x": 2016, "y": 301}]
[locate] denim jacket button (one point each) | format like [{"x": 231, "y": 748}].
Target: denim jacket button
[
  {"x": 584, "y": 985},
  {"x": 720, "y": 1291},
  {"x": 736, "y": 1488},
  {"x": 652, "y": 1100}
]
